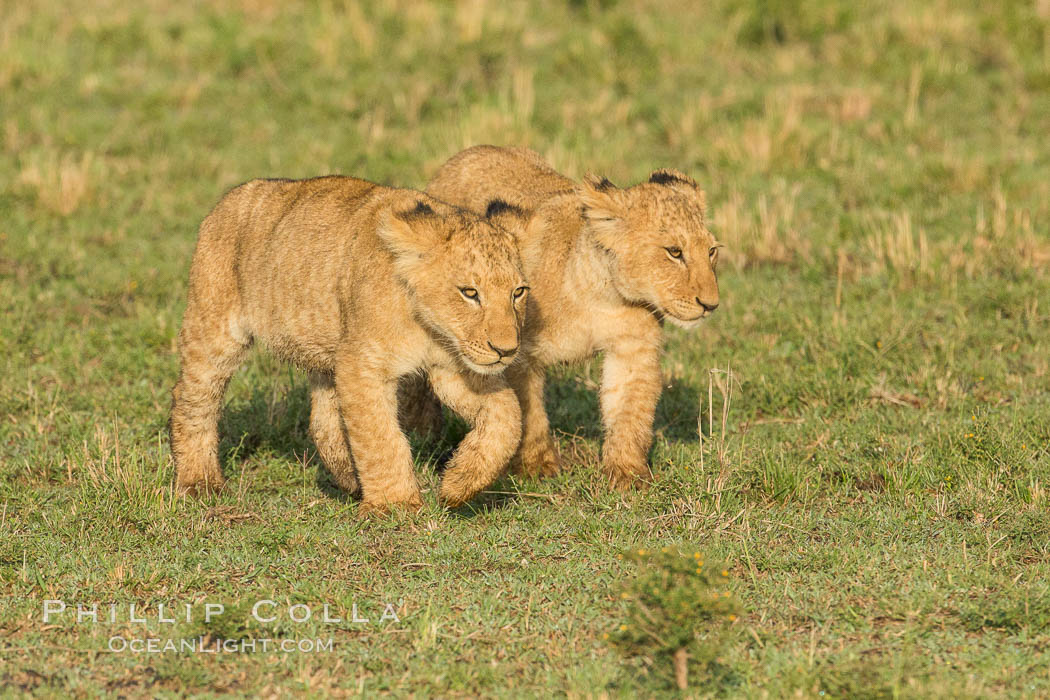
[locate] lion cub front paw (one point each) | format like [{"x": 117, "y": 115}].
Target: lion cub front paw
[
  {"x": 540, "y": 461},
  {"x": 624, "y": 477},
  {"x": 459, "y": 485},
  {"x": 379, "y": 509}
]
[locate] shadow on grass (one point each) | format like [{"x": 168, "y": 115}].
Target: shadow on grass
[
  {"x": 278, "y": 424},
  {"x": 484, "y": 504},
  {"x": 573, "y": 409}
]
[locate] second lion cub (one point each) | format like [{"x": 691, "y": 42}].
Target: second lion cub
[
  {"x": 607, "y": 266},
  {"x": 359, "y": 284}
]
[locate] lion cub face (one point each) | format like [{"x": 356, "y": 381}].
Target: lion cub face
[
  {"x": 465, "y": 279},
  {"x": 663, "y": 255}
]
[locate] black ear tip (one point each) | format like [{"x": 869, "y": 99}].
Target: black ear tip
[
  {"x": 671, "y": 178},
  {"x": 498, "y": 206},
  {"x": 599, "y": 183},
  {"x": 662, "y": 177},
  {"x": 422, "y": 209}
]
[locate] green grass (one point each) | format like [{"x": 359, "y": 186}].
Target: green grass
[{"x": 877, "y": 484}]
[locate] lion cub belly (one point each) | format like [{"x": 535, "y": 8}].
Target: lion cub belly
[
  {"x": 307, "y": 335},
  {"x": 294, "y": 313}
]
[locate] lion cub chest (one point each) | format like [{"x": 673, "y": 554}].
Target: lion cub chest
[{"x": 571, "y": 332}]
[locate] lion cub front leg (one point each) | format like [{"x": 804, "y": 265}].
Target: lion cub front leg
[
  {"x": 368, "y": 403},
  {"x": 326, "y": 429},
  {"x": 537, "y": 455},
  {"x": 629, "y": 393},
  {"x": 491, "y": 408}
]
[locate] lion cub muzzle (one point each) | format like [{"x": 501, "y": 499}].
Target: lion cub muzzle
[{"x": 706, "y": 307}]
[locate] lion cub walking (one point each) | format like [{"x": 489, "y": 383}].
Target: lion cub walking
[
  {"x": 360, "y": 285},
  {"x": 607, "y": 266}
]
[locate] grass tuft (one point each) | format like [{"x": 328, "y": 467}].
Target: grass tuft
[{"x": 679, "y": 608}]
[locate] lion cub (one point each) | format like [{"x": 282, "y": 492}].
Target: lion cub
[
  {"x": 606, "y": 266},
  {"x": 360, "y": 285}
]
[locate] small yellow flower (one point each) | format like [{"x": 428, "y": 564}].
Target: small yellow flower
[
  {"x": 641, "y": 552},
  {"x": 878, "y": 343},
  {"x": 725, "y": 573},
  {"x": 623, "y": 628},
  {"x": 625, "y": 595},
  {"x": 980, "y": 379},
  {"x": 605, "y": 636},
  {"x": 1024, "y": 446},
  {"x": 727, "y": 594},
  {"x": 732, "y": 618},
  {"x": 619, "y": 556},
  {"x": 973, "y": 417},
  {"x": 696, "y": 555},
  {"x": 665, "y": 550}
]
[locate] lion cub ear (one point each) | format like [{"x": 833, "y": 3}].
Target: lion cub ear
[
  {"x": 603, "y": 204},
  {"x": 507, "y": 216},
  {"x": 410, "y": 230},
  {"x": 677, "y": 180}
]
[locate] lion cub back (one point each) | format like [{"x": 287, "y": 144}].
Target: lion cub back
[
  {"x": 275, "y": 256},
  {"x": 473, "y": 178}
]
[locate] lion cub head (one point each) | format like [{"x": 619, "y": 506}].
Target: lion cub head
[
  {"x": 661, "y": 251},
  {"x": 464, "y": 276}
]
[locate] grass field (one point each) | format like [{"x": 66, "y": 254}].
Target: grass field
[{"x": 873, "y": 395}]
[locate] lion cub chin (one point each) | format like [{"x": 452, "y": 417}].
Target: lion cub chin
[{"x": 359, "y": 284}]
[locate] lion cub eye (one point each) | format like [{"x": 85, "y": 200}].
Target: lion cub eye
[
  {"x": 675, "y": 252},
  {"x": 520, "y": 292},
  {"x": 469, "y": 293}
]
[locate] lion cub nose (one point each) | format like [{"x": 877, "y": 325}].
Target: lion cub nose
[
  {"x": 707, "y": 307},
  {"x": 503, "y": 352}
]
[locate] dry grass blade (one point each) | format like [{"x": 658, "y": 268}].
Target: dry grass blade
[{"x": 880, "y": 392}]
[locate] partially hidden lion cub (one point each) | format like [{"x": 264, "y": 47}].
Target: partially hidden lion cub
[
  {"x": 360, "y": 285},
  {"x": 606, "y": 266}
]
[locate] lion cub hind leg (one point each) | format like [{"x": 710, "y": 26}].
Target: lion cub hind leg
[
  {"x": 326, "y": 429},
  {"x": 418, "y": 408},
  {"x": 209, "y": 354}
]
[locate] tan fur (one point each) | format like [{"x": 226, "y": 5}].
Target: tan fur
[
  {"x": 602, "y": 280},
  {"x": 360, "y": 285}
]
